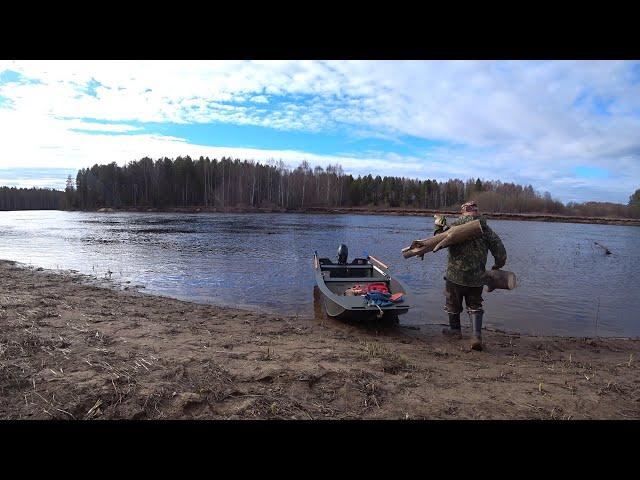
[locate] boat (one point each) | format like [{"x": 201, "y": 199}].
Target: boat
[{"x": 335, "y": 280}]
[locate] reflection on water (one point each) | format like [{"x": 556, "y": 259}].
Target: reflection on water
[{"x": 567, "y": 285}]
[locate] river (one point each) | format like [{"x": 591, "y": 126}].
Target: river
[{"x": 567, "y": 285}]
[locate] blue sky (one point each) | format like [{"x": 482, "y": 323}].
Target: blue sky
[{"x": 570, "y": 128}]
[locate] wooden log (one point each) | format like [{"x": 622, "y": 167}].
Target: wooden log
[
  {"x": 454, "y": 235},
  {"x": 501, "y": 279},
  {"x": 606, "y": 250}
]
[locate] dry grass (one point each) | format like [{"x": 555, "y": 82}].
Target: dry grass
[{"x": 393, "y": 362}]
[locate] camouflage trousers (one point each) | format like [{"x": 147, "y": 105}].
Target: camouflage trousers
[{"x": 455, "y": 293}]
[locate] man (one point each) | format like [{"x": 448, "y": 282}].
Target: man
[{"x": 465, "y": 272}]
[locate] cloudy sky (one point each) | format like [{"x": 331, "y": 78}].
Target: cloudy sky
[{"x": 570, "y": 128}]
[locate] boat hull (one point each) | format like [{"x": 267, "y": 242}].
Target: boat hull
[
  {"x": 337, "y": 305},
  {"x": 338, "y": 312}
]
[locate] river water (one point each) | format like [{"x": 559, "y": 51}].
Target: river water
[{"x": 566, "y": 283}]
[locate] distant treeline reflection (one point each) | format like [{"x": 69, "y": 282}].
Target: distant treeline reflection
[{"x": 184, "y": 182}]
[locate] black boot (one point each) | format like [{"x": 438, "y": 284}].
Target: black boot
[
  {"x": 476, "y": 326},
  {"x": 454, "y": 329}
]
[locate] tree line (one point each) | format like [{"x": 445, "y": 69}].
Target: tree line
[
  {"x": 224, "y": 183},
  {"x": 227, "y": 182},
  {"x": 12, "y": 198}
]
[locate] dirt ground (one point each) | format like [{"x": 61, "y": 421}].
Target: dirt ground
[{"x": 70, "y": 349}]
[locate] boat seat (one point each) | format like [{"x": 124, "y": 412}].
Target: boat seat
[
  {"x": 356, "y": 279},
  {"x": 349, "y": 266},
  {"x": 349, "y": 272},
  {"x": 357, "y": 262}
]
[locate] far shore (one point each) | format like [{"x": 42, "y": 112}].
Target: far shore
[
  {"x": 73, "y": 349},
  {"x": 539, "y": 217}
]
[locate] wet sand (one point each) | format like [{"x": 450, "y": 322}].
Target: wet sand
[{"x": 73, "y": 349}]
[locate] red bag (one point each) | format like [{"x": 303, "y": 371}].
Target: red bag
[{"x": 378, "y": 287}]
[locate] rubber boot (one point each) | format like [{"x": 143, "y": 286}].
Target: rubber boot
[
  {"x": 454, "y": 329},
  {"x": 476, "y": 326}
]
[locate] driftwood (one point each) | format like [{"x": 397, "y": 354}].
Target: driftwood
[
  {"x": 500, "y": 279},
  {"x": 454, "y": 235},
  {"x": 606, "y": 250}
]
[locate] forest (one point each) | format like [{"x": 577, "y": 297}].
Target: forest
[
  {"x": 235, "y": 183},
  {"x": 12, "y": 198},
  {"x": 224, "y": 183}
]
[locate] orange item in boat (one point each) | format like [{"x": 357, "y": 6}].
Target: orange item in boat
[
  {"x": 397, "y": 297},
  {"x": 359, "y": 290},
  {"x": 355, "y": 290}
]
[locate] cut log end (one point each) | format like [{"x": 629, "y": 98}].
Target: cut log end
[{"x": 501, "y": 279}]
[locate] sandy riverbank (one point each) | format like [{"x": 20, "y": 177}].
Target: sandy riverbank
[{"x": 70, "y": 349}]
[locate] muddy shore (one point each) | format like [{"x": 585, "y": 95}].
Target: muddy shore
[{"x": 71, "y": 349}]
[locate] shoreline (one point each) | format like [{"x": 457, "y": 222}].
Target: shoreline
[
  {"x": 71, "y": 349},
  {"x": 539, "y": 217}
]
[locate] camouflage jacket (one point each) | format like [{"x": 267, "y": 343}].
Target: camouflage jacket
[
  {"x": 440, "y": 229},
  {"x": 467, "y": 260}
]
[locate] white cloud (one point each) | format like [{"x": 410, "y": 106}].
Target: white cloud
[
  {"x": 98, "y": 127},
  {"x": 260, "y": 99},
  {"x": 67, "y": 149},
  {"x": 477, "y": 103},
  {"x": 9, "y": 180},
  {"x": 531, "y": 121}
]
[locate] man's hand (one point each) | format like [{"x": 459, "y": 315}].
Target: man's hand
[
  {"x": 440, "y": 220},
  {"x": 499, "y": 263}
]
